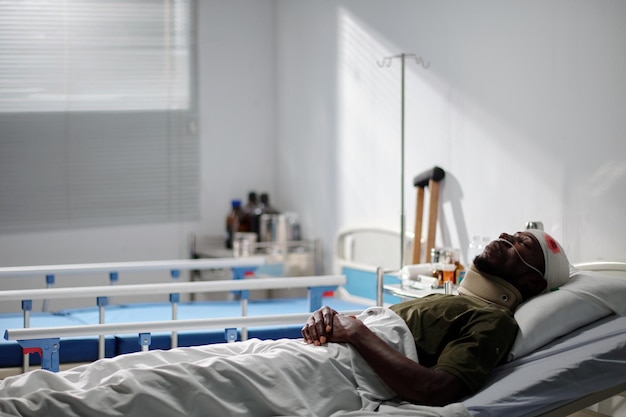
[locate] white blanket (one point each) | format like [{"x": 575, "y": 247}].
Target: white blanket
[{"x": 253, "y": 378}]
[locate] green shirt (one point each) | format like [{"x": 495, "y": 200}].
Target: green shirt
[{"x": 462, "y": 335}]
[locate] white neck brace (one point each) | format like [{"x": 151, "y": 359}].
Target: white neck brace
[{"x": 490, "y": 288}]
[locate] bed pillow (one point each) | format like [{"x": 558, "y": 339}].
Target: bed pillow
[{"x": 587, "y": 297}]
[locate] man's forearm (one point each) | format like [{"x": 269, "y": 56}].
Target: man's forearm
[{"x": 410, "y": 380}]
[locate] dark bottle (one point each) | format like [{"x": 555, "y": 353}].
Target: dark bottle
[
  {"x": 252, "y": 213},
  {"x": 233, "y": 222},
  {"x": 266, "y": 207}
]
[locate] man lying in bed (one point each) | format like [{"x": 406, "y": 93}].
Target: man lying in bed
[
  {"x": 429, "y": 351},
  {"x": 459, "y": 340}
]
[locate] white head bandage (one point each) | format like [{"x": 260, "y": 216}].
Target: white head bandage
[{"x": 557, "y": 265}]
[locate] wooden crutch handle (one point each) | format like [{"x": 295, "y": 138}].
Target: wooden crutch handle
[
  {"x": 433, "y": 210},
  {"x": 431, "y": 179},
  {"x": 419, "y": 215}
]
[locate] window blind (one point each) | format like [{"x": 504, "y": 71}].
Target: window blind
[{"x": 97, "y": 113}]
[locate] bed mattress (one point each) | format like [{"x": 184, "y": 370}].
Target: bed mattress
[{"x": 551, "y": 377}]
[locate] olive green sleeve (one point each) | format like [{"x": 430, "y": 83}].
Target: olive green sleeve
[{"x": 481, "y": 346}]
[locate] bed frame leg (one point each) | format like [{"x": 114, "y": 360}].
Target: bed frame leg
[
  {"x": 145, "y": 339},
  {"x": 48, "y": 349},
  {"x": 102, "y": 302},
  {"x": 174, "y": 300},
  {"x": 27, "y": 306}
]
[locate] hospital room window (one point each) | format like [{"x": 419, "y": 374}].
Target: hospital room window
[{"x": 98, "y": 113}]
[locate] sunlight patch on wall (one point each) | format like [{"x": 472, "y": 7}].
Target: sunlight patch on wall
[
  {"x": 369, "y": 125},
  {"x": 448, "y": 122}
]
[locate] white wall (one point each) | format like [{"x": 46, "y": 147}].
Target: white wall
[
  {"x": 238, "y": 105},
  {"x": 522, "y": 105}
]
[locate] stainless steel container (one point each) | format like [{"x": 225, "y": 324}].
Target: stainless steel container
[{"x": 279, "y": 227}]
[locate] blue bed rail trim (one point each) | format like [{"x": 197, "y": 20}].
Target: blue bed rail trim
[
  {"x": 48, "y": 350},
  {"x": 362, "y": 283}
]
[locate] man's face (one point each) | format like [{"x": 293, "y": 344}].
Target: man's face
[{"x": 501, "y": 259}]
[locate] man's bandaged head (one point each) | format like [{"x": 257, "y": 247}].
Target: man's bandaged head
[{"x": 557, "y": 265}]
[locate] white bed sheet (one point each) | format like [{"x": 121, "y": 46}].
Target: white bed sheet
[
  {"x": 178, "y": 382},
  {"x": 290, "y": 379},
  {"x": 588, "y": 360}
]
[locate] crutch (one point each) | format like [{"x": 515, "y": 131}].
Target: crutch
[{"x": 430, "y": 178}]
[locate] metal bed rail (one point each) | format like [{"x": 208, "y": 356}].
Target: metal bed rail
[
  {"x": 317, "y": 285},
  {"x": 178, "y": 287},
  {"x": 132, "y": 266},
  {"x": 239, "y": 267},
  {"x": 46, "y": 340}
]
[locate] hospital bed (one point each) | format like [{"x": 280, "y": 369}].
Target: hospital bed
[
  {"x": 550, "y": 373},
  {"x": 88, "y": 347},
  {"x": 583, "y": 362}
]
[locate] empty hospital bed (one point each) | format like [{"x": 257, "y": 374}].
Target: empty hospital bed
[{"x": 92, "y": 347}]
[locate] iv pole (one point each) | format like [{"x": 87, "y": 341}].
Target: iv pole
[{"x": 386, "y": 62}]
